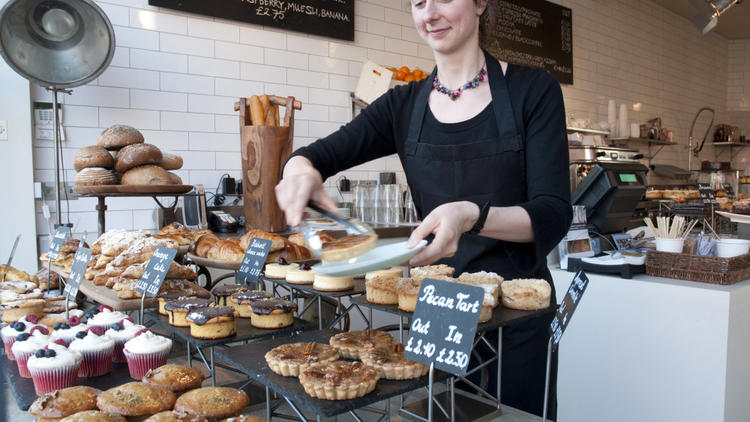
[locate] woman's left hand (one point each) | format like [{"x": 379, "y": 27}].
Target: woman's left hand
[{"x": 447, "y": 222}]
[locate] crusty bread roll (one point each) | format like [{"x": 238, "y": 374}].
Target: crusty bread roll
[
  {"x": 170, "y": 161},
  {"x": 118, "y": 136},
  {"x": 175, "y": 179},
  {"x": 146, "y": 175},
  {"x": 526, "y": 294},
  {"x": 137, "y": 155},
  {"x": 93, "y": 156},
  {"x": 95, "y": 176}
]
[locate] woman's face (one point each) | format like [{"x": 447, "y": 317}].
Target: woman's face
[{"x": 446, "y": 25}]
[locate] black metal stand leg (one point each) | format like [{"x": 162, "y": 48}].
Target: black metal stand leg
[
  {"x": 499, "y": 362},
  {"x": 546, "y": 379},
  {"x": 268, "y": 403},
  {"x": 101, "y": 208},
  {"x": 320, "y": 313},
  {"x": 189, "y": 355},
  {"x": 213, "y": 366}
]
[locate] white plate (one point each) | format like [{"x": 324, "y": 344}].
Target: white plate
[
  {"x": 736, "y": 218},
  {"x": 381, "y": 257}
]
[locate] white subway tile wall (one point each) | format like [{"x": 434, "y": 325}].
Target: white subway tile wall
[
  {"x": 175, "y": 76},
  {"x": 738, "y": 98}
]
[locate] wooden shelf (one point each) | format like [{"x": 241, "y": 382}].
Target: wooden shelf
[
  {"x": 730, "y": 144},
  {"x": 587, "y": 131},
  {"x": 650, "y": 141}
]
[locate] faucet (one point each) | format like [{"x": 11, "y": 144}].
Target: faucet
[{"x": 698, "y": 148}]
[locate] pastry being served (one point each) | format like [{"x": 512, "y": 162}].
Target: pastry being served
[
  {"x": 272, "y": 313},
  {"x": 339, "y": 380},
  {"x": 391, "y": 363},
  {"x": 212, "y": 322},
  {"x": 241, "y": 301},
  {"x": 347, "y": 247},
  {"x": 213, "y": 402},
  {"x": 350, "y": 344},
  {"x": 291, "y": 359}
]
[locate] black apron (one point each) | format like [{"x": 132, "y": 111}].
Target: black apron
[{"x": 491, "y": 170}]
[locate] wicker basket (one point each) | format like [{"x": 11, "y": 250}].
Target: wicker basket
[{"x": 706, "y": 269}]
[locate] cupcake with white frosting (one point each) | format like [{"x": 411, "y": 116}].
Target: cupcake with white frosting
[
  {"x": 146, "y": 351},
  {"x": 121, "y": 333},
  {"x": 103, "y": 317},
  {"x": 96, "y": 350},
  {"x": 13, "y": 329},
  {"x": 25, "y": 346},
  {"x": 67, "y": 331},
  {"x": 53, "y": 368}
]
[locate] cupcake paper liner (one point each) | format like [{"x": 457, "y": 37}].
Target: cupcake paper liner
[
  {"x": 140, "y": 363},
  {"x": 117, "y": 355},
  {"x": 51, "y": 379},
  {"x": 95, "y": 363},
  {"x": 8, "y": 343},
  {"x": 21, "y": 359},
  {"x": 104, "y": 326}
]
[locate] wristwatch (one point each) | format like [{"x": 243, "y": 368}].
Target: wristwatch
[{"x": 479, "y": 225}]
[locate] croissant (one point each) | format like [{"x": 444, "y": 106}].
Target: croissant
[
  {"x": 277, "y": 242},
  {"x": 197, "y": 234},
  {"x": 102, "y": 261},
  {"x": 205, "y": 243},
  {"x": 178, "y": 229},
  {"x": 174, "y": 237},
  {"x": 141, "y": 250},
  {"x": 290, "y": 252},
  {"x": 14, "y": 274},
  {"x": 71, "y": 246},
  {"x": 226, "y": 250}
]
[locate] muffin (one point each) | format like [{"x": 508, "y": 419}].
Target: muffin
[
  {"x": 397, "y": 272},
  {"x": 213, "y": 322},
  {"x": 174, "y": 416},
  {"x": 329, "y": 283},
  {"x": 178, "y": 310},
  {"x": 272, "y": 313},
  {"x": 67, "y": 332},
  {"x": 94, "y": 416},
  {"x": 408, "y": 290},
  {"x": 96, "y": 350},
  {"x": 221, "y": 293},
  {"x": 382, "y": 290},
  {"x": 135, "y": 399},
  {"x": 146, "y": 351},
  {"x": 26, "y": 345},
  {"x": 390, "y": 362},
  {"x": 176, "y": 378},
  {"x": 241, "y": 301},
  {"x": 339, "y": 380},
  {"x": 350, "y": 344},
  {"x": 213, "y": 402},
  {"x": 431, "y": 271},
  {"x": 121, "y": 333},
  {"x": 11, "y": 331},
  {"x": 54, "y": 368},
  {"x": 173, "y": 295},
  {"x": 278, "y": 270},
  {"x": 290, "y": 359},
  {"x": 103, "y": 317},
  {"x": 58, "y": 404}
]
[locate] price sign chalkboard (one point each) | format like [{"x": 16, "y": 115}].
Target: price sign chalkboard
[
  {"x": 60, "y": 236},
  {"x": 254, "y": 260},
  {"x": 707, "y": 194},
  {"x": 443, "y": 325},
  {"x": 156, "y": 269},
  {"x": 330, "y": 18},
  {"x": 80, "y": 262},
  {"x": 568, "y": 306},
  {"x": 533, "y": 33}
]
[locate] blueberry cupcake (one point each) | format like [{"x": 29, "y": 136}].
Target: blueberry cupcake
[
  {"x": 13, "y": 329},
  {"x": 27, "y": 344},
  {"x": 103, "y": 317},
  {"x": 146, "y": 351},
  {"x": 53, "y": 368},
  {"x": 96, "y": 349},
  {"x": 121, "y": 333},
  {"x": 67, "y": 331}
]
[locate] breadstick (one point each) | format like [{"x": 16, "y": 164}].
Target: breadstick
[
  {"x": 256, "y": 111},
  {"x": 276, "y": 114},
  {"x": 266, "y": 104},
  {"x": 270, "y": 120}
]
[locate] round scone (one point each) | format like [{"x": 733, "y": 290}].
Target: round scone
[
  {"x": 350, "y": 344},
  {"x": 347, "y": 247},
  {"x": 175, "y": 416},
  {"x": 213, "y": 402},
  {"x": 146, "y": 175},
  {"x": 408, "y": 290},
  {"x": 118, "y": 136},
  {"x": 176, "y": 378},
  {"x": 526, "y": 294},
  {"x": 93, "y": 156},
  {"x": 137, "y": 155},
  {"x": 241, "y": 301},
  {"x": 135, "y": 399},
  {"x": 272, "y": 313},
  {"x": 388, "y": 272},
  {"x": 382, "y": 290},
  {"x": 212, "y": 322},
  {"x": 94, "y": 416},
  {"x": 170, "y": 161},
  {"x": 278, "y": 270},
  {"x": 431, "y": 271},
  {"x": 339, "y": 380},
  {"x": 391, "y": 363},
  {"x": 65, "y": 402},
  {"x": 291, "y": 359},
  {"x": 96, "y": 176},
  {"x": 328, "y": 283}
]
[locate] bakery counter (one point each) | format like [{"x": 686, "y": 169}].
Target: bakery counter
[
  {"x": 655, "y": 349},
  {"x": 383, "y": 231}
]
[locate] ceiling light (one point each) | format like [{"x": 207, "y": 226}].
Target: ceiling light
[{"x": 707, "y": 20}]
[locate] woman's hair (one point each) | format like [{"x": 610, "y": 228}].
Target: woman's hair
[{"x": 486, "y": 22}]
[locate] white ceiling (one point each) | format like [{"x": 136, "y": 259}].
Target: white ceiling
[{"x": 733, "y": 24}]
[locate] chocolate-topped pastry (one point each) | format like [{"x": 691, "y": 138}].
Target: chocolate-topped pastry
[
  {"x": 222, "y": 293},
  {"x": 173, "y": 295},
  {"x": 212, "y": 322},
  {"x": 178, "y": 309},
  {"x": 272, "y": 313},
  {"x": 241, "y": 301}
]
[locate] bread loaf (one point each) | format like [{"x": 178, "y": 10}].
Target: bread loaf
[
  {"x": 118, "y": 136},
  {"x": 96, "y": 176},
  {"x": 170, "y": 161},
  {"x": 93, "y": 156},
  {"x": 175, "y": 179},
  {"x": 146, "y": 175},
  {"x": 137, "y": 155}
]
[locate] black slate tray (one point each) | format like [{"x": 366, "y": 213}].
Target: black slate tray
[
  {"x": 249, "y": 359},
  {"x": 358, "y": 289},
  {"x": 245, "y": 331},
  {"x": 23, "y": 388},
  {"x": 501, "y": 317}
]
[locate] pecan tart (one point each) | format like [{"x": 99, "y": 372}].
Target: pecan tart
[
  {"x": 391, "y": 363},
  {"x": 291, "y": 359},
  {"x": 349, "y": 344},
  {"x": 339, "y": 380}
]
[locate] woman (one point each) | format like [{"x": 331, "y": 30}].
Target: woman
[{"x": 484, "y": 150}]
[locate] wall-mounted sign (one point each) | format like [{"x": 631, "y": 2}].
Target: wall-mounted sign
[
  {"x": 330, "y": 18},
  {"x": 533, "y": 33}
]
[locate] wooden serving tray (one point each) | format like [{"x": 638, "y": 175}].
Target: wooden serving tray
[{"x": 132, "y": 189}]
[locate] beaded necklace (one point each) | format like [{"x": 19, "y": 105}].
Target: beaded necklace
[{"x": 455, "y": 93}]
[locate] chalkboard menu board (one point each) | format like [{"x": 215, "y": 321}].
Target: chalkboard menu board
[
  {"x": 80, "y": 262},
  {"x": 568, "y": 306},
  {"x": 254, "y": 260},
  {"x": 533, "y": 33},
  {"x": 330, "y": 18},
  {"x": 444, "y": 324},
  {"x": 155, "y": 271},
  {"x": 60, "y": 236},
  {"x": 707, "y": 194}
]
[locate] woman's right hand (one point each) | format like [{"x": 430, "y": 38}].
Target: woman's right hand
[{"x": 300, "y": 184}]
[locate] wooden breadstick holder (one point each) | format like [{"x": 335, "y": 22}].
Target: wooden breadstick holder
[{"x": 264, "y": 151}]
